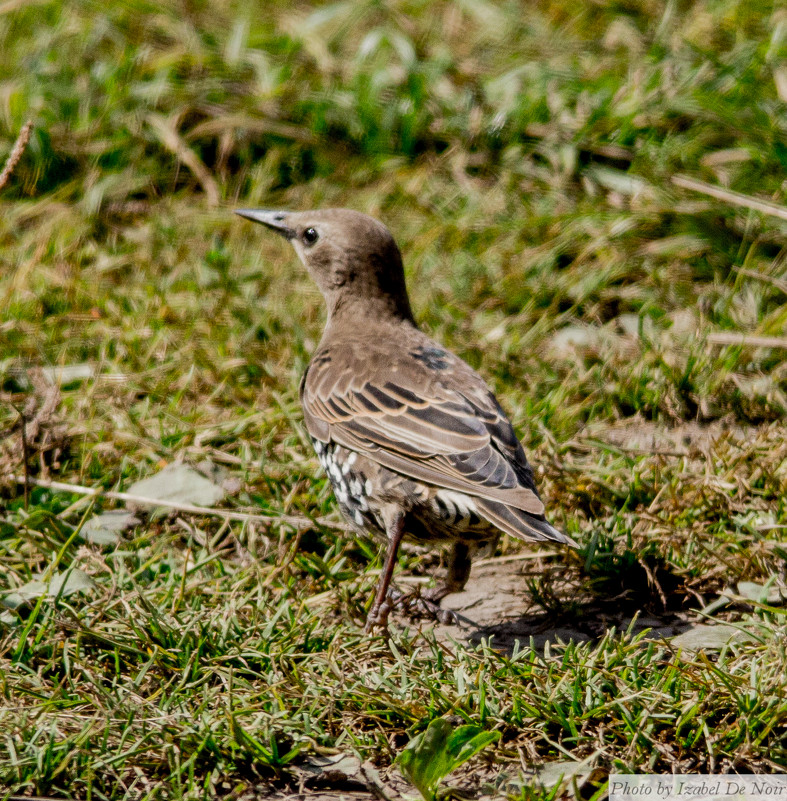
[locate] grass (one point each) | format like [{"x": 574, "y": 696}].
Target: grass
[{"x": 525, "y": 164}]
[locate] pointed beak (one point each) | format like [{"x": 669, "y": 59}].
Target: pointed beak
[{"x": 275, "y": 220}]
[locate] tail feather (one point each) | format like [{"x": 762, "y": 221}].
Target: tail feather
[{"x": 521, "y": 524}]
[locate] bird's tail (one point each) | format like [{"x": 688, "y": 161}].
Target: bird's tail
[{"x": 521, "y": 524}]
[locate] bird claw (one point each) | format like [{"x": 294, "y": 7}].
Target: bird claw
[
  {"x": 423, "y": 605},
  {"x": 378, "y": 616},
  {"x": 416, "y": 605}
]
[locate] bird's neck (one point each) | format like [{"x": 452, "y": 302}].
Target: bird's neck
[{"x": 350, "y": 312}]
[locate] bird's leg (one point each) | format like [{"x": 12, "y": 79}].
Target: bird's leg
[
  {"x": 378, "y": 616},
  {"x": 426, "y": 603},
  {"x": 457, "y": 576}
]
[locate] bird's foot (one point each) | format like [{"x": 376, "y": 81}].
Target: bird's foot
[
  {"x": 423, "y": 604},
  {"x": 378, "y": 616},
  {"x": 417, "y": 604}
]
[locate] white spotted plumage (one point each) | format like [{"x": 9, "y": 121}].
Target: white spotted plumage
[
  {"x": 352, "y": 491},
  {"x": 456, "y": 506}
]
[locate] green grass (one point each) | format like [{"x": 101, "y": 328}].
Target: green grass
[{"x": 524, "y": 161}]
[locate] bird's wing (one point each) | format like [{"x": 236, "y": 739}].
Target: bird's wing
[{"x": 441, "y": 426}]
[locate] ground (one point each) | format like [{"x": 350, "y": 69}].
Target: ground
[{"x": 590, "y": 199}]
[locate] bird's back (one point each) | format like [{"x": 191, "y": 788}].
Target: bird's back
[{"x": 402, "y": 402}]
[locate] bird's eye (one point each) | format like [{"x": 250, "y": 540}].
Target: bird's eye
[{"x": 310, "y": 236}]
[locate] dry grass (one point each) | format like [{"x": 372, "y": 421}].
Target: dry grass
[{"x": 525, "y": 164}]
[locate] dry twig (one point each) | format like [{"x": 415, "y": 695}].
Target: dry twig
[
  {"x": 228, "y": 514},
  {"x": 171, "y": 139},
  {"x": 733, "y": 198},
  {"x": 42, "y": 432},
  {"x": 723, "y": 338},
  {"x": 778, "y": 283},
  {"x": 16, "y": 152}
]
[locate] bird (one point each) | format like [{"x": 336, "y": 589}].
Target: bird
[{"x": 412, "y": 439}]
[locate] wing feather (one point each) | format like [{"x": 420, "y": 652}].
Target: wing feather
[
  {"x": 517, "y": 522},
  {"x": 444, "y": 429}
]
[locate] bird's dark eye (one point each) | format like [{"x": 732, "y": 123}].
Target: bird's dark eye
[{"x": 310, "y": 236}]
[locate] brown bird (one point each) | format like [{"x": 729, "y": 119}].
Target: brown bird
[{"x": 414, "y": 442}]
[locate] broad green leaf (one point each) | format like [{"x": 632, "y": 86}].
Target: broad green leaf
[
  {"x": 467, "y": 741},
  {"x": 424, "y": 761},
  {"x": 430, "y": 756}
]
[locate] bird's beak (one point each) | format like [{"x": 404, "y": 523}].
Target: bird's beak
[{"x": 276, "y": 220}]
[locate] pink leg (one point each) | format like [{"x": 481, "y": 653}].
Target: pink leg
[{"x": 378, "y": 616}]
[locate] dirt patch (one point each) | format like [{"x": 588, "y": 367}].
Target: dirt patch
[
  {"x": 638, "y": 435},
  {"x": 497, "y": 605}
]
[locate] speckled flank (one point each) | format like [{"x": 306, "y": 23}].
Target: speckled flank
[
  {"x": 351, "y": 487},
  {"x": 456, "y": 509},
  {"x": 435, "y": 514}
]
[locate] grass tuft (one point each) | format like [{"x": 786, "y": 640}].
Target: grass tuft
[{"x": 590, "y": 200}]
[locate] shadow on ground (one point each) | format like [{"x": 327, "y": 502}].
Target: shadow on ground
[{"x": 497, "y": 605}]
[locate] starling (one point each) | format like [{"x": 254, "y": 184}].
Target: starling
[{"x": 413, "y": 441}]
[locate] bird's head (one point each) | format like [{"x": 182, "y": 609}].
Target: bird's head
[{"x": 352, "y": 258}]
